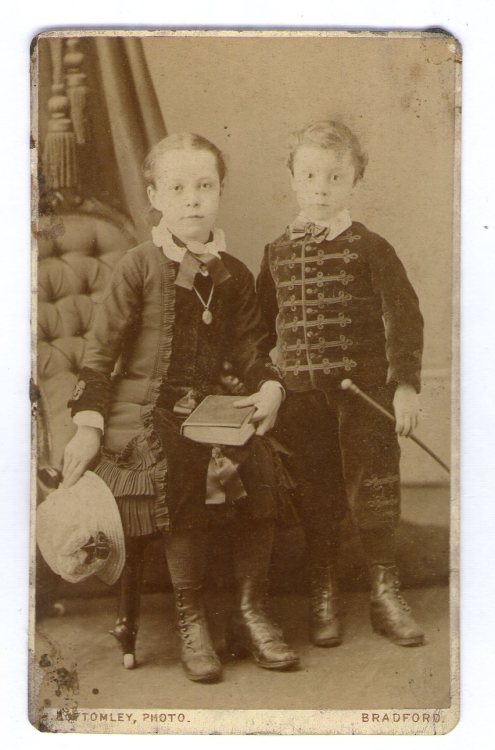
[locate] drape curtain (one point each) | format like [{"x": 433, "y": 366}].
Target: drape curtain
[{"x": 97, "y": 104}]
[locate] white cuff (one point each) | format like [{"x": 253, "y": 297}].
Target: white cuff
[{"x": 89, "y": 419}]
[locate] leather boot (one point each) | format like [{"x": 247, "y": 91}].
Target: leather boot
[
  {"x": 390, "y": 614},
  {"x": 324, "y": 624},
  {"x": 253, "y": 632},
  {"x": 126, "y": 625},
  {"x": 200, "y": 662}
]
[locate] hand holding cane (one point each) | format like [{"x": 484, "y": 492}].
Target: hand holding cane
[{"x": 348, "y": 385}]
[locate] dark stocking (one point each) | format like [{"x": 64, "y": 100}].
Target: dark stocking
[
  {"x": 126, "y": 626},
  {"x": 252, "y": 542},
  {"x": 131, "y": 578},
  {"x": 186, "y": 557},
  {"x": 379, "y": 545},
  {"x": 323, "y": 546},
  {"x": 321, "y": 522}
]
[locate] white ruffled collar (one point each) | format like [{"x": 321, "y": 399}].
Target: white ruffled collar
[{"x": 162, "y": 237}]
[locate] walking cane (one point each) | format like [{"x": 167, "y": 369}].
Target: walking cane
[{"x": 348, "y": 385}]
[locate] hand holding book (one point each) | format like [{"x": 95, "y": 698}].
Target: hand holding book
[
  {"x": 228, "y": 420},
  {"x": 266, "y": 402},
  {"x": 216, "y": 421}
]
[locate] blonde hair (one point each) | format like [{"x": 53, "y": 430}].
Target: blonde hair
[
  {"x": 178, "y": 141},
  {"x": 329, "y": 134}
]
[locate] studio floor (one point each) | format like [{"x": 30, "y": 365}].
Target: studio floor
[
  {"x": 365, "y": 671},
  {"x": 78, "y": 663}
]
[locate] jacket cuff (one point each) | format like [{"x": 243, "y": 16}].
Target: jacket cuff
[
  {"x": 260, "y": 372},
  {"x": 406, "y": 378},
  {"x": 92, "y": 392}
]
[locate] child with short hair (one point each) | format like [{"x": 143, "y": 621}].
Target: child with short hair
[
  {"x": 172, "y": 311},
  {"x": 339, "y": 305}
]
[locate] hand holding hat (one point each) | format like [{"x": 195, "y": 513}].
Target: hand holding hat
[
  {"x": 79, "y": 453},
  {"x": 79, "y": 531}
]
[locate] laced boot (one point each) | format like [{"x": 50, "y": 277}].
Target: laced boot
[
  {"x": 200, "y": 662},
  {"x": 252, "y": 631},
  {"x": 390, "y": 614},
  {"x": 126, "y": 625},
  {"x": 324, "y": 624}
]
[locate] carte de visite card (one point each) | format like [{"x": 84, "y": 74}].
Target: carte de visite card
[{"x": 270, "y": 215}]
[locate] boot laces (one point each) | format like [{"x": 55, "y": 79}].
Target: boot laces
[
  {"x": 185, "y": 626},
  {"x": 405, "y": 606},
  {"x": 187, "y": 637},
  {"x": 321, "y": 594},
  {"x": 319, "y": 602}
]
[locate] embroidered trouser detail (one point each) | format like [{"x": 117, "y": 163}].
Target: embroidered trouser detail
[
  {"x": 370, "y": 459},
  {"x": 368, "y": 446}
]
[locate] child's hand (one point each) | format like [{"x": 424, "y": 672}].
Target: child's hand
[
  {"x": 406, "y": 408},
  {"x": 79, "y": 452},
  {"x": 267, "y": 402}
]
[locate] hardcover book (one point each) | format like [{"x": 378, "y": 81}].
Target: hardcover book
[{"x": 216, "y": 420}]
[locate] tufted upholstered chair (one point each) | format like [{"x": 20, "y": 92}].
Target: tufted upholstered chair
[{"x": 76, "y": 254}]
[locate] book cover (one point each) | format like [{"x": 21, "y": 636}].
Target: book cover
[{"x": 217, "y": 420}]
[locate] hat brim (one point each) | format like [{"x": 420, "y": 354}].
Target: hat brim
[
  {"x": 101, "y": 507},
  {"x": 111, "y": 571}
]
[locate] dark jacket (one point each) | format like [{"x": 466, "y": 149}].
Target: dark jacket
[
  {"x": 340, "y": 309},
  {"x": 155, "y": 330}
]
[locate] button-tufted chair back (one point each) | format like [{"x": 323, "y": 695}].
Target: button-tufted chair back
[{"x": 77, "y": 252}]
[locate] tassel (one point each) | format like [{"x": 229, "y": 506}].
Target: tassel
[
  {"x": 59, "y": 152},
  {"x": 77, "y": 90},
  {"x": 60, "y": 160},
  {"x": 78, "y": 97}
]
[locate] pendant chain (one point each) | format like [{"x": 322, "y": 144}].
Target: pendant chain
[{"x": 207, "y": 317}]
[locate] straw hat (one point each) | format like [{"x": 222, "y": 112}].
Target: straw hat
[{"x": 79, "y": 531}]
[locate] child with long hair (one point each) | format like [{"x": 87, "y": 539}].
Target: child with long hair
[{"x": 173, "y": 310}]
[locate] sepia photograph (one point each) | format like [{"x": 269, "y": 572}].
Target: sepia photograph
[{"x": 245, "y": 382}]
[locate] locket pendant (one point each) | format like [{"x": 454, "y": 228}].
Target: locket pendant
[{"x": 207, "y": 317}]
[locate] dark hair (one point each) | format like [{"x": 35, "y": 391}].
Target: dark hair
[
  {"x": 178, "y": 141},
  {"x": 329, "y": 134}
]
